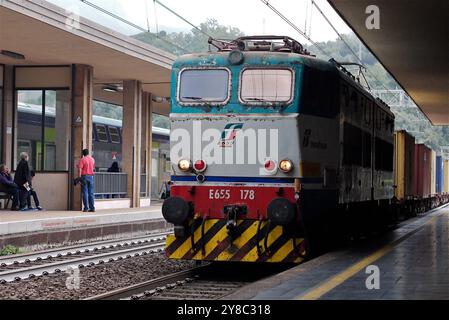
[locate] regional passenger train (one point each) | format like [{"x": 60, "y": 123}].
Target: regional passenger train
[
  {"x": 106, "y": 136},
  {"x": 276, "y": 153}
]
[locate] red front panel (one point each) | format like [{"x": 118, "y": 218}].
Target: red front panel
[{"x": 210, "y": 200}]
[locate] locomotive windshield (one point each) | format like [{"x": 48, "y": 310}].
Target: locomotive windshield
[
  {"x": 203, "y": 85},
  {"x": 266, "y": 85}
]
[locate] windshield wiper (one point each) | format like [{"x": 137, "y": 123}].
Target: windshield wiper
[
  {"x": 206, "y": 106},
  {"x": 194, "y": 98},
  {"x": 257, "y": 99}
]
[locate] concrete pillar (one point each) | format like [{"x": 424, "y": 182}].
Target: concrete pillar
[
  {"x": 131, "y": 138},
  {"x": 62, "y": 130},
  {"x": 82, "y": 92},
  {"x": 147, "y": 139},
  {"x": 7, "y": 155}
]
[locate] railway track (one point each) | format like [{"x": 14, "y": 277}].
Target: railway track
[
  {"x": 208, "y": 282},
  {"x": 33, "y": 264}
]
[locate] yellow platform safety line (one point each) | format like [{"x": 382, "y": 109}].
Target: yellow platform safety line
[
  {"x": 272, "y": 237},
  {"x": 335, "y": 281},
  {"x": 213, "y": 242},
  {"x": 187, "y": 244}
]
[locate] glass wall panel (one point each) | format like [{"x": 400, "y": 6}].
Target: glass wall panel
[
  {"x": 43, "y": 128},
  {"x": 56, "y": 130},
  {"x": 107, "y": 139},
  {"x": 29, "y": 126}
]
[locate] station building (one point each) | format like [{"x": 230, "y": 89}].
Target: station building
[{"x": 53, "y": 68}]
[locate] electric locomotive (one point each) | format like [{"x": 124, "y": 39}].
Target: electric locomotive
[{"x": 274, "y": 152}]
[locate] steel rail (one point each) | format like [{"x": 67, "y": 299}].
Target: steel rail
[
  {"x": 76, "y": 249},
  {"x": 61, "y": 266},
  {"x": 153, "y": 284}
]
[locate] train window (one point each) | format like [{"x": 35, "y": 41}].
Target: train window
[
  {"x": 114, "y": 134},
  {"x": 384, "y": 155},
  {"x": 354, "y": 99},
  {"x": 378, "y": 119},
  {"x": 367, "y": 106},
  {"x": 200, "y": 86},
  {"x": 366, "y": 150},
  {"x": 345, "y": 94},
  {"x": 352, "y": 145},
  {"x": 266, "y": 85},
  {"x": 319, "y": 93},
  {"x": 101, "y": 133}
]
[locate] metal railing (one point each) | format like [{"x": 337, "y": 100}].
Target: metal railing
[{"x": 111, "y": 184}]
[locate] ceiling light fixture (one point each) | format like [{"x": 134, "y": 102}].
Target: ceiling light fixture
[{"x": 112, "y": 88}]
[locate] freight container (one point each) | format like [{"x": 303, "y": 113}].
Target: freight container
[
  {"x": 439, "y": 171},
  {"x": 404, "y": 164},
  {"x": 422, "y": 176},
  {"x": 446, "y": 176},
  {"x": 433, "y": 175}
]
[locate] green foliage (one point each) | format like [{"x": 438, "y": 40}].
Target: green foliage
[
  {"x": 107, "y": 110},
  {"x": 193, "y": 41},
  {"x": 161, "y": 121},
  {"x": 9, "y": 250}
]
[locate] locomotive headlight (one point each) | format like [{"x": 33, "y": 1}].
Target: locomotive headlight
[
  {"x": 286, "y": 166},
  {"x": 184, "y": 165}
]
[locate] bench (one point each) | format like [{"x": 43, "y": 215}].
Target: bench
[{"x": 6, "y": 198}]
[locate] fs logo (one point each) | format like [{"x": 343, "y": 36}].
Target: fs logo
[{"x": 229, "y": 133}]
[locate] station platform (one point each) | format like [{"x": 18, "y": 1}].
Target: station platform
[
  {"x": 35, "y": 227},
  {"x": 412, "y": 262}
]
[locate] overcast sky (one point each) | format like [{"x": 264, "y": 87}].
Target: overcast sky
[{"x": 251, "y": 16}]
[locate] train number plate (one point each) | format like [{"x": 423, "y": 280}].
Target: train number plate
[{"x": 227, "y": 194}]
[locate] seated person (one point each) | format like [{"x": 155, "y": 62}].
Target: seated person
[
  {"x": 32, "y": 193},
  {"x": 8, "y": 186}
]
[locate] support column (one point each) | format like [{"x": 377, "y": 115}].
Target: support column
[
  {"x": 82, "y": 92},
  {"x": 131, "y": 138},
  {"x": 147, "y": 139},
  {"x": 8, "y": 112}
]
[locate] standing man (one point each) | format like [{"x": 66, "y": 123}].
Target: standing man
[{"x": 86, "y": 167}]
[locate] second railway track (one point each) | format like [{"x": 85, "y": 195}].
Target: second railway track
[{"x": 29, "y": 265}]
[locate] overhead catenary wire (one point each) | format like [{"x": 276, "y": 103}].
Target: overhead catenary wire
[
  {"x": 357, "y": 56},
  {"x": 147, "y": 14},
  {"x": 113, "y": 15},
  {"x": 291, "y": 24},
  {"x": 347, "y": 44},
  {"x": 182, "y": 18}
]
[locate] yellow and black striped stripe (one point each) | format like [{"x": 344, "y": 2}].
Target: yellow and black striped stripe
[{"x": 216, "y": 245}]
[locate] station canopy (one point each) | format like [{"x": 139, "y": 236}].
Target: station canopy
[
  {"x": 412, "y": 44},
  {"x": 46, "y": 34}
]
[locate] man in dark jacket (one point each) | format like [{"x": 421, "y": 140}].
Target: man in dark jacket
[
  {"x": 8, "y": 186},
  {"x": 22, "y": 178}
]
